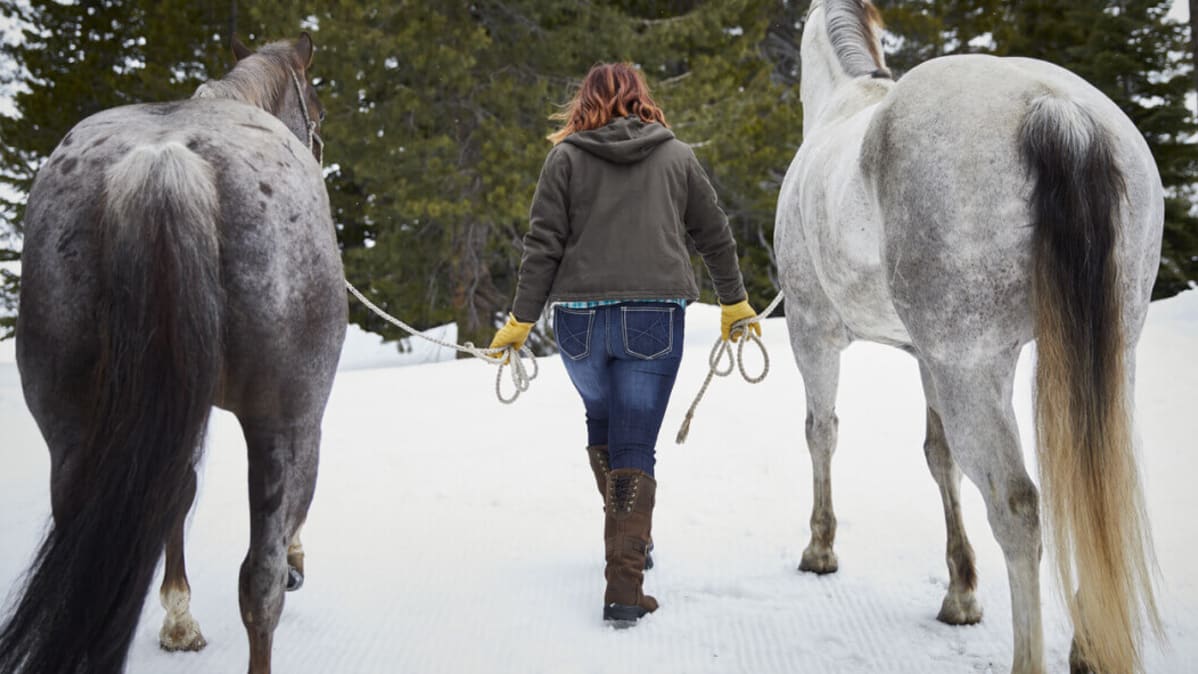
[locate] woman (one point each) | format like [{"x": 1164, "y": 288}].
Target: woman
[{"x": 617, "y": 200}]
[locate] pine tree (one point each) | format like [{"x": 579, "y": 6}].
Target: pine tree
[{"x": 924, "y": 29}]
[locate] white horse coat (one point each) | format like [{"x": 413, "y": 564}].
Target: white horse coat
[{"x": 977, "y": 204}]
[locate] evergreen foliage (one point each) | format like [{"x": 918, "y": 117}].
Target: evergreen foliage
[
  {"x": 924, "y": 29},
  {"x": 438, "y": 112}
]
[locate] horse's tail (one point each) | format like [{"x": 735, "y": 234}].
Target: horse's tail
[
  {"x": 1097, "y": 524},
  {"x": 159, "y": 326}
]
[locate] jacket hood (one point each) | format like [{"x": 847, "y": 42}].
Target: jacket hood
[{"x": 626, "y": 140}]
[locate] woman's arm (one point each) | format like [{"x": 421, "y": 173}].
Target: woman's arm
[
  {"x": 549, "y": 227},
  {"x": 708, "y": 227}
]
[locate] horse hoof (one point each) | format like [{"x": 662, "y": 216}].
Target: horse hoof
[
  {"x": 295, "y": 579},
  {"x": 821, "y": 562},
  {"x": 960, "y": 610},
  {"x": 182, "y": 636}
]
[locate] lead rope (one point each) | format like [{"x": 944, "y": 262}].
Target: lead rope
[
  {"x": 522, "y": 361},
  {"x": 314, "y": 139},
  {"x": 517, "y": 358},
  {"x": 723, "y": 347}
]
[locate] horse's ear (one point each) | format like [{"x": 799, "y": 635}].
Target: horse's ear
[
  {"x": 240, "y": 51},
  {"x": 305, "y": 49}
]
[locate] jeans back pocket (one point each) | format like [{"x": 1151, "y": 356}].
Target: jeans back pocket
[
  {"x": 648, "y": 331},
  {"x": 573, "y": 330}
]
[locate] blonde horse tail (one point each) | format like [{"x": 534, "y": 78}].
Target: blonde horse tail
[{"x": 1096, "y": 522}]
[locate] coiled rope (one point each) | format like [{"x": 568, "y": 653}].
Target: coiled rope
[
  {"x": 522, "y": 361},
  {"x": 722, "y": 348}
]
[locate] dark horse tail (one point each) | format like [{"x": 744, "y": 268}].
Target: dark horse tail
[
  {"x": 1095, "y": 508},
  {"x": 159, "y": 326}
]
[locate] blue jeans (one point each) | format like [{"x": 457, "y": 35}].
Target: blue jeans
[{"x": 623, "y": 360}]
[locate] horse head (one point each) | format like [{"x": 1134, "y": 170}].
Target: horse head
[{"x": 275, "y": 78}]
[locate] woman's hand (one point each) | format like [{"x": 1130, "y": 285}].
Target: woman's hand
[
  {"x": 731, "y": 313},
  {"x": 513, "y": 333}
]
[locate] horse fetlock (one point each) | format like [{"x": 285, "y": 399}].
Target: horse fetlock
[
  {"x": 296, "y": 560},
  {"x": 961, "y": 567},
  {"x": 823, "y": 527}
]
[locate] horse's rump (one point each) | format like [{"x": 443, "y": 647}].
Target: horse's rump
[
  {"x": 943, "y": 165},
  {"x": 158, "y": 324},
  {"x": 1021, "y": 203}
]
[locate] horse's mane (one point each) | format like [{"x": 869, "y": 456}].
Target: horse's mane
[
  {"x": 260, "y": 80},
  {"x": 852, "y": 30}
]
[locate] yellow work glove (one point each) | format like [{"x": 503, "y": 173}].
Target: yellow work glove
[
  {"x": 513, "y": 334},
  {"x": 731, "y": 313}
]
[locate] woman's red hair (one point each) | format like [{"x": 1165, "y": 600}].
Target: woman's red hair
[{"x": 608, "y": 91}]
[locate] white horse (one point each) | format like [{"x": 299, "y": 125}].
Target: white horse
[{"x": 957, "y": 214}]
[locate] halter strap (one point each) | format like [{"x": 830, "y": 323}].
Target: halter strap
[{"x": 315, "y": 143}]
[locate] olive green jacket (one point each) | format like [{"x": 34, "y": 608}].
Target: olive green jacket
[{"x": 610, "y": 219}]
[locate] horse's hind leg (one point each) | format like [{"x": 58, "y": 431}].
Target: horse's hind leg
[
  {"x": 979, "y": 424},
  {"x": 960, "y": 605},
  {"x": 180, "y": 631},
  {"x": 295, "y": 561},
  {"x": 282, "y": 477},
  {"x": 817, "y": 350}
]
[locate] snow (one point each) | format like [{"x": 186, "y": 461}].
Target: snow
[
  {"x": 366, "y": 350},
  {"x": 450, "y": 533}
]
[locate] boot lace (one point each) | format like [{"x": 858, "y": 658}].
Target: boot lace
[{"x": 624, "y": 491}]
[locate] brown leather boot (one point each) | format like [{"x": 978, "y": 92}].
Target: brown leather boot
[
  {"x": 601, "y": 466},
  {"x": 629, "y": 506}
]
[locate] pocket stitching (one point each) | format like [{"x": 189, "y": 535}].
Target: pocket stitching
[
  {"x": 586, "y": 351},
  {"x": 669, "y": 325}
]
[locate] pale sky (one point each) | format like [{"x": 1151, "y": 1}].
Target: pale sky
[{"x": 1181, "y": 10}]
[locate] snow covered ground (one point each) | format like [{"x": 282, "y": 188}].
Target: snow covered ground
[{"x": 453, "y": 534}]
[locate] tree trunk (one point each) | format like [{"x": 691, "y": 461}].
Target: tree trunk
[
  {"x": 475, "y": 298},
  {"x": 1194, "y": 39}
]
